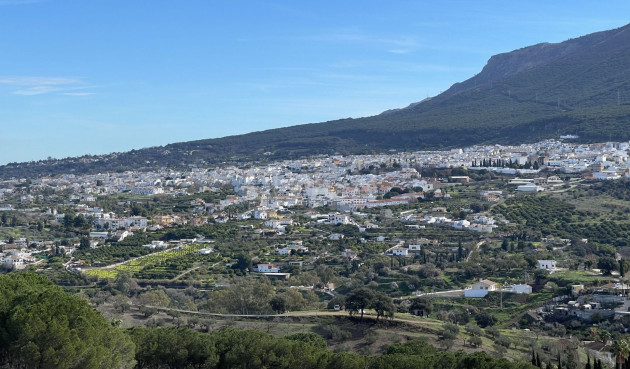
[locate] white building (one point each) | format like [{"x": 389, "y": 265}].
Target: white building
[
  {"x": 267, "y": 268},
  {"x": 521, "y": 288},
  {"x": 529, "y": 188},
  {"x": 399, "y": 251},
  {"x": 547, "y": 264},
  {"x": 480, "y": 289}
]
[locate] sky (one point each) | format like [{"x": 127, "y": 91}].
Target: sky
[{"x": 98, "y": 76}]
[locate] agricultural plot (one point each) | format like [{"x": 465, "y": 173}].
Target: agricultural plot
[{"x": 162, "y": 265}]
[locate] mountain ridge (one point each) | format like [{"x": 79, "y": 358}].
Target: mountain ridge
[{"x": 579, "y": 86}]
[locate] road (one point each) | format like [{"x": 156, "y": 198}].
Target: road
[
  {"x": 475, "y": 249},
  {"x": 367, "y": 315}
]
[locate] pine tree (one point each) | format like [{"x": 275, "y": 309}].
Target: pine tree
[{"x": 588, "y": 362}]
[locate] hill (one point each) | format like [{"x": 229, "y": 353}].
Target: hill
[{"x": 578, "y": 87}]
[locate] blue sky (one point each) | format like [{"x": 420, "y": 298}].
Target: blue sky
[{"x": 98, "y": 76}]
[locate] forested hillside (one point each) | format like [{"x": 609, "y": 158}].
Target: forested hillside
[{"x": 577, "y": 87}]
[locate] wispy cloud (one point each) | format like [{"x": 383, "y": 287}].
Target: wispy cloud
[
  {"x": 30, "y": 85},
  {"x": 78, "y": 93},
  {"x": 396, "y": 45}
]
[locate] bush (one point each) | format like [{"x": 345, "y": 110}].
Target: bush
[{"x": 333, "y": 332}]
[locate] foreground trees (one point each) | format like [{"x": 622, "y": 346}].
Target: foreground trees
[
  {"x": 181, "y": 348},
  {"x": 41, "y": 326}
]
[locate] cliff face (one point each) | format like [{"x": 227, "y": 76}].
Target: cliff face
[{"x": 505, "y": 65}]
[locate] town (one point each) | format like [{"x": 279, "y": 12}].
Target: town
[{"x": 505, "y": 236}]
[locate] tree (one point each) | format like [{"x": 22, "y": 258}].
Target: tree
[
  {"x": 359, "y": 300},
  {"x": 422, "y": 305},
  {"x": 243, "y": 262},
  {"x": 493, "y": 331},
  {"x": 503, "y": 341},
  {"x": 383, "y": 305},
  {"x": 475, "y": 341},
  {"x": 621, "y": 350},
  {"x": 156, "y": 298},
  {"x": 604, "y": 336},
  {"x": 279, "y": 303},
  {"x": 485, "y": 319},
  {"x": 473, "y": 330},
  {"x": 45, "y": 327},
  {"x": 607, "y": 264},
  {"x": 84, "y": 243},
  {"x": 449, "y": 331},
  {"x": 80, "y": 222}
]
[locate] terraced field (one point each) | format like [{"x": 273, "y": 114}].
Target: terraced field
[{"x": 166, "y": 264}]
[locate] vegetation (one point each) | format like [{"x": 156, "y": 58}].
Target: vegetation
[
  {"x": 575, "y": 87},
  {"x": 43, "y": 327}
]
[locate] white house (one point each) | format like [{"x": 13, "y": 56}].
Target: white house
[
  {"x": 267, "y": 268},
  {"x": 529, "y": 188},
  {"x": 461, "y": 224},
  {"x": 338, "y": 219},
  {"x": 102, "y": 235},
  {"x": 335, "y": 237},
  {"x": 521, "y": 288},
  {"x": 287, "y": 250},
  {"x": 260, "y": 214},
  {"x": 480, "y": 289},
  {"x": 399, "y": 251},
  {"x": 547, "y": 264}
]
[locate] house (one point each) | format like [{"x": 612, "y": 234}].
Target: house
[
  {"x": 529, "y": 188},
  {"x": 335, "y": 237},
  {"x": 521, "y": 288},
  {"x": 480, "y": 289},
  {"x": 292, "y": 247},
  {"x": 338, "y": 219},
  {"x": 260, "y": 214},
  {"x": 399, "y": 251},
  {"x": 267, "y": 268},
  {"x": 102, "y": 235},
  {"x": 547, "y": 264}
]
